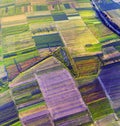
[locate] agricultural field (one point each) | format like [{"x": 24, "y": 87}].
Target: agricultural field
[
  {"x": 14, "y": 30},
  {"x": 73, "y": 32},
  {"x": 20, "y": 97},
  {"x": 14, "y": 43},
  {"x": 104, "y": 109},
  {"x": 53, "y": 92},
  {"x": 41, "y": 29},
  {"x": 26, "y": 94},
  {"x": 94, "y": 96},
  {"x": 40, "y": 8},
  {"x": 100, "y": 31},
  {"x": 28, "y": 74},
  {"x": 87, "y": 66},
  {"x": 29, "y": 102},
  {"x": 59, "y": 16},
  {"x": 6, "y": 1},
  {"x": 57, "y": 64},
  {"x": 14, "y": 7},
  {"x": 111, "y": 84},
  {"x": 38, "y": 2},
  {"x": 92, "y": 92},
  {"x": 2, "y": 71},
  {"x": 13, "y": 20},
  {"x": 35, "y": 16},
  {"x": 48, "y": 40},
  {"x": 109, "y": 120},
  {"x": 8, "y": 110}
]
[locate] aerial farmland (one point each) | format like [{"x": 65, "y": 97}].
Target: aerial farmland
[{"x": 59, "y": 62}]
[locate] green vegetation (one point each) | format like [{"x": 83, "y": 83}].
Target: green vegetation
[
  {"x": 84, "y": 1},
  {"x": 85, "y": 80},
  {"x": 3, "y": 86},
  {"x": 32, "y": 106},
  {"x": 49, "y": 40},
  {"x": 17, "y": 124},
  {"x": 40, "y": 20},
  {"x": 6, "y": 1},
  {"x": 15, "y": 30},
  {"x": 100, "y": 109},
  {"x": 87, "y": 70},
  {"x": 94, "y": 48},
  {"x": 20, "y": 58},
  {"x": 40, "y": 7},
  {"x": 108, "y": 38}
]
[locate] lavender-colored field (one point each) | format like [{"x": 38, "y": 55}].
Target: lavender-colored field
[
  {"x": 74, "y": 122},
  {"x": 60, "y": 93},
  {"x": 41, "y": 118},
  {"x": 110, "y": 78}
]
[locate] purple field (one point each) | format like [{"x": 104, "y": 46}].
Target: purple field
[
  {"x": 110, "y": 78},
  {"x": 61, "y": 94}
]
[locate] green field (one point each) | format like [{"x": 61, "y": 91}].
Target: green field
[
  {"x": 49, "y": 40},
  {"x": 100, "y": 109},
  {"x": 15, "y": 30}
]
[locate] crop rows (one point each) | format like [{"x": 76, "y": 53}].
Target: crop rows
[
  {"x": 111, "y": 84},
  {"x": 94, "y": 96},
  {"x": 87, "y": 66},
  {"x": 92, "y": 92},
  {"x": 8, "y": 111},
  {"x": 60, "y": 94},
  {"x": 74, "y": 33},
  {"x": 26, "y": 94},
  {"x": 40, "y": 118}
]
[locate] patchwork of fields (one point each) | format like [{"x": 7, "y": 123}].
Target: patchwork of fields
[{"x": 58, "y": 63}]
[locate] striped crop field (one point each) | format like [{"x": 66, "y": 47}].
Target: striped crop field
[
  {"x": 87, "y": 66},
  {"x": 26, "y": 94},
  {"x": 111, "y": 84},
  {"x": 8, "y": 110},
  {"x": 73, "y": 33},
  {"x": 92, "y": 92},
  {"x": 61, "y": 93},
  {"x": 59, "y": 62}
]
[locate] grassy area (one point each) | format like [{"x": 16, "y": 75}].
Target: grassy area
[
  {"x": 85, "y": 80},
  {"x": 17, "y": 124},
  {"x": 100, "y": 109},
  {"x": 20, "y": 58},
  {"x": 94, "y": 48},
  {"x": 6, "y": 1},
  {"x": 16, "y": 43},
  {"x": 15, "y": 30},
  {"x": 3, "y": 86},
  {"x": 40, "y": 20},
  {"x": 108, "y": 38},
  {"x": 10, "y": 10}
]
